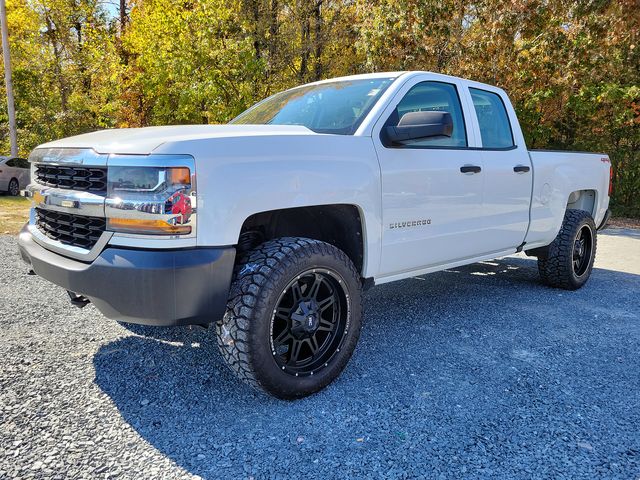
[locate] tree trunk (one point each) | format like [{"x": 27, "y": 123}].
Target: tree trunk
[
  {"x": 124, "y": 16},
  {"x": 6, "y": 57},
  {"x": 305, "y": 47},
  {"x": 319, "y": 41},
  {"x": 257, "y": 40},
  {"x": 273, "y": 38},
  {"x": 51, "y": 32}
]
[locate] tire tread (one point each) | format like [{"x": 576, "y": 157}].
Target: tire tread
[
  {"x": 555, "y": 264},
  {"x": 254, "y": 277}
]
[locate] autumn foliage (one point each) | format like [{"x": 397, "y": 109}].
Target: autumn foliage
[{"x": 572, "y": 68}]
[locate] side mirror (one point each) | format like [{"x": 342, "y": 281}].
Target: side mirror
[{"x": 417, "y": 125}]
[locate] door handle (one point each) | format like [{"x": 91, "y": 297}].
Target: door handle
[
  {"x": 521, "y": 168},
  {"x": 470, "y": 169}
]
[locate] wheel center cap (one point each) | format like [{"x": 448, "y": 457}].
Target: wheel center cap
[
  {"x": 305, "y": 319},
  {"x": 311, "y": 321}
]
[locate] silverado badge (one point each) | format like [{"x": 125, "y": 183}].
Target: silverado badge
[{"x": 411, "y": 223}]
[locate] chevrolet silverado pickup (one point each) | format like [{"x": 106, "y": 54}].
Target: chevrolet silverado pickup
[{"x": 269, "y": 228}]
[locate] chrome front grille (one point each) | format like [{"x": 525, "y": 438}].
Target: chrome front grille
[
  {"x": 75, "y": 230},
  {"x": 71, "y": 205},
  {"x": 90, "y": 179}
]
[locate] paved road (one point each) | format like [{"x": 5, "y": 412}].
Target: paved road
[{"x": 478, "y": 372}]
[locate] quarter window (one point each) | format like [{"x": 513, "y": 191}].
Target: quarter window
[
  {"x": 433, "y": 96},
  {"x": 495, "y": 128}
]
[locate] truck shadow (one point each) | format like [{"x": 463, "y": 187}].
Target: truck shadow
[{"x": 449, "y": 365}]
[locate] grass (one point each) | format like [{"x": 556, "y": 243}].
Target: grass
[{"x": 14, "y": 213}]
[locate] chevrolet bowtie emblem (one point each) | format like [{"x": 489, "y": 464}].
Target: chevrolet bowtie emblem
[{"x": 69, "y": 203}]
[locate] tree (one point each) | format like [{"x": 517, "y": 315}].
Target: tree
[{"x": 571, "y": 67}]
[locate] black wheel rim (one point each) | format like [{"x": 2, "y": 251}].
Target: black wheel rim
[
  {"x": 13, "y": 188},
  {"x": 309, "y": 323},
  {"x": 582, "y": 247}
]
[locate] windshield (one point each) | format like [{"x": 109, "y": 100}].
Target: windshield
[{"x": 334, "y": 107}]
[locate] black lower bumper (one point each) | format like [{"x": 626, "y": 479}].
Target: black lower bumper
[{"x": 151, "y": 287}]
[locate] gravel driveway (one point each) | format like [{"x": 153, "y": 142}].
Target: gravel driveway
[{"x": 478, "y": 372}]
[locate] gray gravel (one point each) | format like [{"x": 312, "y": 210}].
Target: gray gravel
[{"x": 479, "y": 372}]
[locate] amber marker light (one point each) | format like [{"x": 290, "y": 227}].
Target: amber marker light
[
  {"x": 178, "y": 176},
  {"x": 153, "y": 227}
]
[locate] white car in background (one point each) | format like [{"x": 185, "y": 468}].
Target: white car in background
[{"x": 14, "y": 175}]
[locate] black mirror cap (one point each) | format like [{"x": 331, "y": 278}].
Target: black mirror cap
[{"x": 417, "y": 125}]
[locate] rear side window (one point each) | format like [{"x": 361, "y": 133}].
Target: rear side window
[
  {"x": 495, "y": 128},
  {"x": 433, "y": 96},
  {"x": 11, "y": 163}
]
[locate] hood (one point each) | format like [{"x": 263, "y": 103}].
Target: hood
[{"x": 143, "y": 141}]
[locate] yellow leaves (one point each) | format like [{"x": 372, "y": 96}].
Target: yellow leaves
[{"x": 22, "y": 20}]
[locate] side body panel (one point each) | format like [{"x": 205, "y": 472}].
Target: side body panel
[
  {"x": 556, "y": 176},
  {"x": 240, "y": 176}
]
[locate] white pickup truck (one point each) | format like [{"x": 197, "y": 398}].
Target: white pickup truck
[{"x": 270, "y": 227}]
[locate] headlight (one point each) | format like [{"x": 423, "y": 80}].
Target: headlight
[{"x": 150, "y": 200}]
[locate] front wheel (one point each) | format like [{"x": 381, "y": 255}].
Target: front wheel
[
  {"x": 293, "y": 316},
  {"x": 568, "y": 261}
]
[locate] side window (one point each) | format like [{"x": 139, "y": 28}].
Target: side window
[
  {"x": 23, "y": 163},
  {"x": 438, "y": 97},
  {"x": 495, "y": 128},
  {"x": 11, "y": 163}
]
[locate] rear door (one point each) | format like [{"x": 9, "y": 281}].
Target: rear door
[
  {"x": 508, "y": 174},
  {"x": 432, "y": 188}
]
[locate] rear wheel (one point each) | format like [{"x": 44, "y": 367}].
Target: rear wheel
[
  {"x": 14, "y": 188},
  {"x": 293, "y": 317},
  {"x": 568, "y": 261}
]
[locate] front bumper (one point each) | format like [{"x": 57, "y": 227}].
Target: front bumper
[{"x": 150, "y": 287}]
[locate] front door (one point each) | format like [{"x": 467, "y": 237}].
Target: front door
[{"x": 432, "y": 189}]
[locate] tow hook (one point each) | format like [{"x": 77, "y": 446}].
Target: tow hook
[{"x": 79, "y": 301}]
